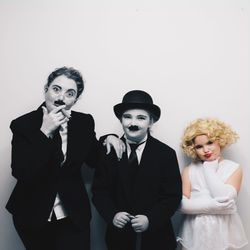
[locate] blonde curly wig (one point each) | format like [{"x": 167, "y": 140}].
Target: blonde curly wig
[{"x": 212, "y": 128}]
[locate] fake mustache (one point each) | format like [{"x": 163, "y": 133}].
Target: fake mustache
[
  {"x": 59, "y": 102},
  {"x": 133, "y": 128}
]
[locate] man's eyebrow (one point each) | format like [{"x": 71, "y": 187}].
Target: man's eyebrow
[{"x": 56, "y": 85}]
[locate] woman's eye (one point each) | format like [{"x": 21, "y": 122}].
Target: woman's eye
[
  {"x": 141, "y": 118},
  {"x": 210, "y": 142},
  {"x": 197, "y": 146},
  {"x": 56, "y": 89},
  {"x": 71, "y": 94},
  {"x": 126, "y": 116}
]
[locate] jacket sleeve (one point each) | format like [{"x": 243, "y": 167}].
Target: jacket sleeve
[
  {"x": 97, "y": 146},
  {"x": 101, "y": 189},
  {"x": 169, "y": 193},
  {"x": 31, "y": 151},
  {"x": 92, "y": 145}
]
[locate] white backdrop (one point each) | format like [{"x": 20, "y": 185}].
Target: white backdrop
[{"x": 192, "y": 56}]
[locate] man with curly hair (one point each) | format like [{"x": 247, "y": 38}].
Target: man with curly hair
[{"x": 49, "y": 203}]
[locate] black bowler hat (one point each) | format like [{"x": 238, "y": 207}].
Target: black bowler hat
[{"x": 137, "y": 99}]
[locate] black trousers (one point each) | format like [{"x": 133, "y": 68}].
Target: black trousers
[
  {"x": 55, "y": 235},
  {"x": 127, "y": 239}
]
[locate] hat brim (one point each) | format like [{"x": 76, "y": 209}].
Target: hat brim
[{"x": 120, "y": 108}]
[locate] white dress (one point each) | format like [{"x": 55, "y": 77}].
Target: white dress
[{"x": 211, "y": 232}]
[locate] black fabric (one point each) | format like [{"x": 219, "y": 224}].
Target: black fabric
[
  {"x": 57, "y": 138},
  {"x": 133, "y": 165},
  {"x": 140, "y": 100},
  {"x": 55, "y": 235},
  {"x": 53, "y": 216},
  {"x": 36, "y": 163},
  {"x": 58, "y": 145},
  {"x": 157, "y": 195},
  {"x": 133, "y": 159},
  {"x": 133, "y": 156}
]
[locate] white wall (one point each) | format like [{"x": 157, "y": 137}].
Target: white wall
[{"x": 192, "y": 56}]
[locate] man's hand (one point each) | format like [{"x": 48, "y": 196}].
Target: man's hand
[
  {"x": 52, "y": 120},
  {"x": 140, "y": 223},
  {"x": 116, "y": 143},
  {"x": 121, "y": 219}
]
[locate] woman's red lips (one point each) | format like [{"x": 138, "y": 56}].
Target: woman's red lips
[{"x": 207, "y": 155}]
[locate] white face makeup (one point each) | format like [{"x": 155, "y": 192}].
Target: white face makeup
[
  {"x": 61, "y": 90},
  {"x": 136, "y": 123}
]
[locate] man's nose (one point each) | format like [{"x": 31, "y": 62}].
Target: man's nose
[
  {"x": 61, "y": 96},
  {"x": 133, "y": 122},
  {"x": 206, "y": 148}
]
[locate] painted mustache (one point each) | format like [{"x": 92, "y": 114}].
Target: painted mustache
[
  {"x": 133, "y": 128},
  {"x": 59, "y": 102}
]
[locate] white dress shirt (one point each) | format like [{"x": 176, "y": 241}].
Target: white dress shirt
[
  {"x": 58, "y": 206},
  {"x": 139, "y": 149}
]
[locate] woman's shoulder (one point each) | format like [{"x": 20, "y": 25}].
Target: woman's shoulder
[
  {"x": 227, "y": 168},
  {"x": 27, "y": 122},
  {"x": 193, "y": 170},
  {"x": 195, "y": 164},
  {"x": 229, "y": 164},
  {"x": 192, "y": 167},
  {"x": 81, "y": 115}
]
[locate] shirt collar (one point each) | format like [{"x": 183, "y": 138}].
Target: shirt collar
[{"x": 131, "y": 142}]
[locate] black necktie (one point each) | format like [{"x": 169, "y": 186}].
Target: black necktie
[
  {"x": 133, "y": 165},
  {"x": 58, "y": 145},
  {"x": 57, "y": 136},
  {"x": 133, "y": 160}
]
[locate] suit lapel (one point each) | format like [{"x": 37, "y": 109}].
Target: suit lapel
[
  {"x": 124, "y": 174},
  {"x": 145, "y": 168},
  {"x": 146, "y": 154},
  {"x": 72, "y": 139}
]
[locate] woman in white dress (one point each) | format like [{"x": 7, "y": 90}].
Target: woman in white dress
[{"x": 210, "y": 187}]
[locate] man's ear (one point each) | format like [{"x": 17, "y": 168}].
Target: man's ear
[
  {"x": 46, "y": 88},
  {"x": 152, "y": 121}
]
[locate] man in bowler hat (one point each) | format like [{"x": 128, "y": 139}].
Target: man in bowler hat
[{"x": 137, "y": 195}]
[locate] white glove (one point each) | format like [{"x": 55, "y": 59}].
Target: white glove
[
  {"x": 207, "y": 206},
  {"x": 140, "y": 223},
  {"x": 216, "y": 186},
  {"x": 121, "y": 219}
]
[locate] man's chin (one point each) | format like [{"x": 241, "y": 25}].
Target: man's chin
[
  {"x": 132, "y": 134},
  {"x": 133, "y": 137}
]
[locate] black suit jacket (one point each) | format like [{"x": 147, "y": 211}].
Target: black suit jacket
[
  {"x": 36, "y": 164},
  {"x": 157, "y": 195}
]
